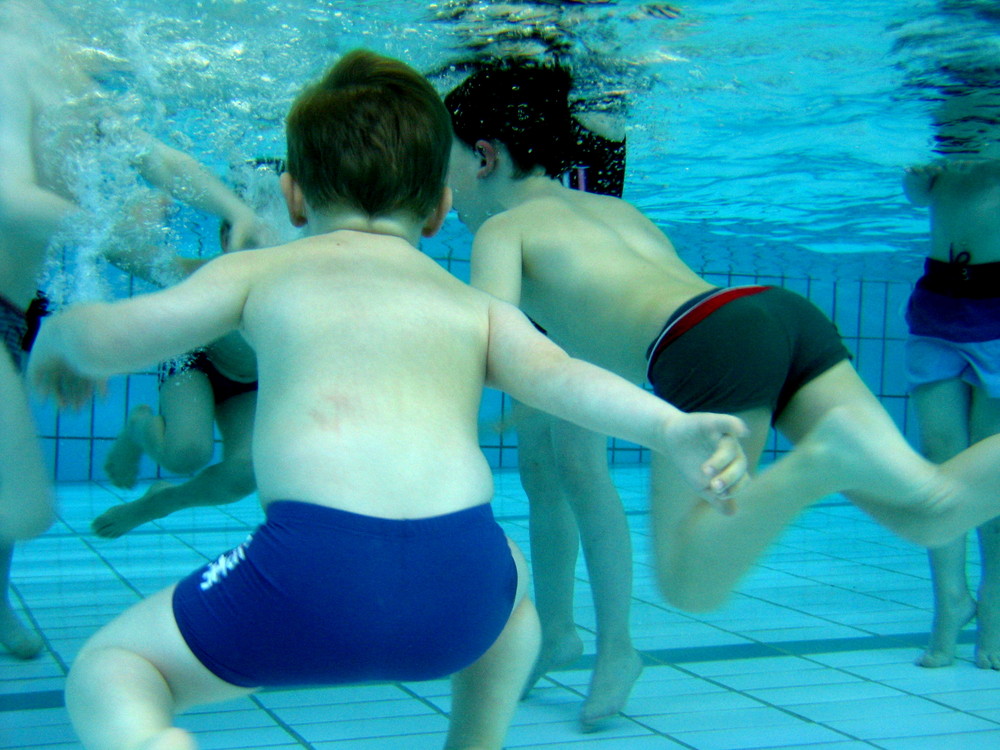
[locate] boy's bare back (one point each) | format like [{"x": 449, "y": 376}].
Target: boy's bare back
[
  {"x": 589, "y": 262},
  {"x": 367, "y": 347},
  {"x": 964, "y": 200}
]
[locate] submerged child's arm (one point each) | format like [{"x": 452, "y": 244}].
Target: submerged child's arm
[
  {"x": 919, "y": 181},
  {"x": 93, "y": 341},
  {"x": 27, "y": 209},
  {"x": 528, "y": 366},
  {"x": 184, "y": 178},
  {"x": 495, "y": 261}
]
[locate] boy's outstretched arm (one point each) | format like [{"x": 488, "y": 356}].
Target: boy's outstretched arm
[
  {"x": 184, "y": 178},
  {"x": 87, "y": 343},
  {"x": 528, "y": 366}
]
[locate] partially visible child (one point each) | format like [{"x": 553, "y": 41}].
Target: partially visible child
[
  {"x": 953, "y": 352},
  {"x": 573, "y": 504},
  {"x": 214, "y": 385},
  {"x": 27, "y": 502},
  {"x": 54, "y": 113},
  {"x": 608, "y": 286},
  {"x": 379, "y": 558}
]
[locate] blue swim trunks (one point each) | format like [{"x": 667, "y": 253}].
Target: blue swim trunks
[
  {"x": 954, "y": 321},
  {"x": 319, "y": 596}
]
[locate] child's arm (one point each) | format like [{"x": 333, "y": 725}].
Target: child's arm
[
  {"x": 97, "y": 340},
  {"x": 496, "y": 259},
  {"x": 185, "y": 179},
  {"x": 919, "y": 181},
  {"x": 532, "y": 369},
  {"x": 26, "y": 209}
]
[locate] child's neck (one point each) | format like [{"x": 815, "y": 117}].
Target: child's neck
[{"x": 403, "y": 227}]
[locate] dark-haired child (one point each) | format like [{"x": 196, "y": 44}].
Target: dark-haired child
[
  {"x": 608, "y": 287},
  {"x": 379, "y": 558}
]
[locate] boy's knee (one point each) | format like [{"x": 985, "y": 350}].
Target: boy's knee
[
  {"x": 239, "y": 476},
  {"x": 187, "y": 458}
]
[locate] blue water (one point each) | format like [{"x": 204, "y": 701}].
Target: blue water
[{"x": 760, "y": 135}]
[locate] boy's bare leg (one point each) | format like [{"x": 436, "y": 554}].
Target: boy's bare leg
[
  {"x": 699, "y": 554},
  {"x": 867, "y": 458},
  {"x": 131, "y": 678},
  {"x": 17, "y": 638},
  {"x": 26, "y": 498},
  {"x": 845, "y": 441},
  {"x": 225, "y": 482},
  {"x": 582, "y": 465},
  {"x": 180, "y": 438},
  {"x": 555, "y": 541},
  {"x": 943, "y": 412},
  {"x": 985, "y": 422},
  {"x": 485, "y": 695}
]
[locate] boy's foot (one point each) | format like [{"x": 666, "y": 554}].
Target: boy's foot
[
  {"x": 610, "y": 686},
  {"x": 948, "y": 622},
  {"x": 120, "y": 519},
  {"x": 988, "y": 639},
  {"x": 555, "y": 656},
  {"x": 20, "y": 640},
  {"x": 122, "y": 463},
  {"x": 170, "y": 739}
]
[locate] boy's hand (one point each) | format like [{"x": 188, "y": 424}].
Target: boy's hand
[
  {"x": 52, "y": 377},
  {"x": 249, "y": 232},
  {"x": 706, "y": 449}
]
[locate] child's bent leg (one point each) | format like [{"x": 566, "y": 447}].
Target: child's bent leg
[
  {"x": 225, "y": 482},
  {"x": 699, "y": 554},
  {"x": 485, "y": 694},
  {"x": 179, "y": 438},
  {"x": 867, "y": 458},
  {"x": 131, "y": 678}
]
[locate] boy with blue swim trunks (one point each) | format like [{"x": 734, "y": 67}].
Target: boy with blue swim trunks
[
  {"x": 609, "y": 288},
  {"x": 953, "y": 352},
  {"x": 379, "y": 558}
]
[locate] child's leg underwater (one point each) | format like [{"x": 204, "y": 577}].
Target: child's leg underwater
[
  {"x": 486, "y": 693},
  {"x": 133, "y": 676},
  {"x": 229, "y": 480}
]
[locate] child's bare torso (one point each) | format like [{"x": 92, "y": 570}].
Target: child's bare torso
[
  {"x": 600, "y": 277},
  {"x": 371, "y": 361},
  {"x": 965, "y": 213}
]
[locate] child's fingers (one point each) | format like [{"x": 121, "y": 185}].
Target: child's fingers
[{"x": 728, "y": 459}]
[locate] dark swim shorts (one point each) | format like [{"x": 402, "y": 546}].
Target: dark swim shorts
[
  {"x": 20, "y": 327},
  {"x": 730, "y": 350},
  {"x": 223, "y": 388},
  {"x": 319, "y": 596}
]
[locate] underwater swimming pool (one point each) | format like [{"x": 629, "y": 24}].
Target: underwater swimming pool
[{"x": 768, "y": 140}]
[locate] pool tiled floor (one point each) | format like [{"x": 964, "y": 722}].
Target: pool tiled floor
[{"x": 815, "y": 650}]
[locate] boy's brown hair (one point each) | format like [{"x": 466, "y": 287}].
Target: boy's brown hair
[{"x": 372, "y": 135}]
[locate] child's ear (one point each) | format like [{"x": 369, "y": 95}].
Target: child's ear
[
  {"x": 436, "y": 219},
  {"x": 489, "y": 158},
  {"x": 294, "y": 200}
]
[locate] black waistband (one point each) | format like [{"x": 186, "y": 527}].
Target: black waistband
[{"x": 961, "y": 279}]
